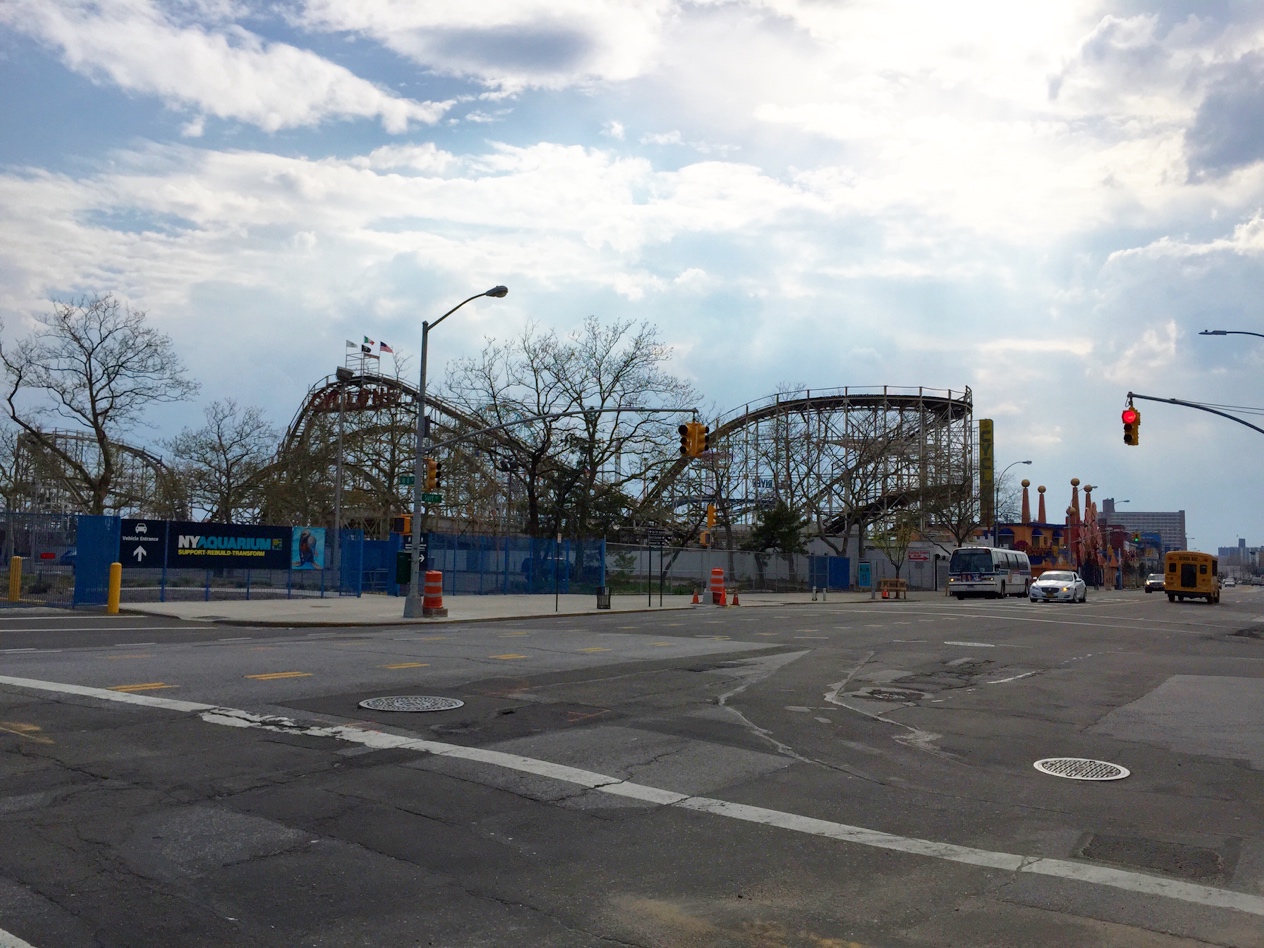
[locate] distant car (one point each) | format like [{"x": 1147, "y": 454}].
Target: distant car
[
  {"x": 1154, "y": 583},
  {"x": 1229, "y": 582},
  {"x": 68, "y": 558},
  {"x": 1059, "y": 586}
]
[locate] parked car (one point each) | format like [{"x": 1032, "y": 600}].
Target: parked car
[
  {"x": 1059, "y": 586},
  {"x": 68, "y": 558},
  {"x": 1229, "y": 582},
  {"x": 1154, "y": 583}
]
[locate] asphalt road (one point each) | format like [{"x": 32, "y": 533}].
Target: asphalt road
[{"x": 820, "y": 775}]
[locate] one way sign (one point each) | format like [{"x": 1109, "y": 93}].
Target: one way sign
[{"x": 142, "y": 543}]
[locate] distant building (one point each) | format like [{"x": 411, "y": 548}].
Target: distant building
[
  {"x": 1170, "y": 525},
  {"x": 1240, "y": 555}
]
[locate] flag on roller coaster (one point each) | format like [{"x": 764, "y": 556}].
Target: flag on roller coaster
[
  {"x": 383, "y": 347},
  {"x": 367, "y": 352},
  {"x": 350, "y": 344},
  {"x": 368, "y": 341}
]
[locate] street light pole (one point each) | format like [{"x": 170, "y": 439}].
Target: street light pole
[
  {"x": 996, "y": 502},
  {"x": 412, "y": 603}
]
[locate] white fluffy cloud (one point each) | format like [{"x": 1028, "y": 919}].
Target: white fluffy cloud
[{"x": 218, "y": 69}]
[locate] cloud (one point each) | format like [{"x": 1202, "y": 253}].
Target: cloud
[
  {"x": 508, "y": 44},
  {"x": 1228, "y": 131},
  {"x": 223, "y": 70}
]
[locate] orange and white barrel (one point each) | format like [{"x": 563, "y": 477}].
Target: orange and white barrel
[
  {"x": 717, "y": 586},
  {"x": 433, "y": 598}
]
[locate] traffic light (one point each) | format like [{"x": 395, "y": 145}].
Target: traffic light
[
  {"x": 438, "y": 475},
  {"x": 432, "y": 473},
  {"x": 711, "y": 516},
  {"x": 1132, "y": 425},
  {"x": 686, "y": 434},
  {"x": 694, "y": 439},
  {"x": 705, "y": 437}
]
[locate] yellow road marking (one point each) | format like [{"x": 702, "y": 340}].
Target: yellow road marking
[
  {"x": 28, "y": 731},
  {"x": 718, "y": 638},
  {"x": 508, "y": 656},
  {"x": 274, "y": 675},
  {"x": 510, "y": 635},
  {"x": 407, "y": 665},
  {"x": 115, "y": 658},
  {"x": 595, "y": 649},
  {"x": 432, "y": 638},
  {"x": 144, "y": 686},
  {"x": 662, "y": 643}
]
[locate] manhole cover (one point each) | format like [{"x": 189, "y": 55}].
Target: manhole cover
[
  {"x": 412, "y": 703},
  {"x": 1080, "y": 768}
]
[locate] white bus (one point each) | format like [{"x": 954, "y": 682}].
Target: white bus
[{"x": 986, "y": 571}]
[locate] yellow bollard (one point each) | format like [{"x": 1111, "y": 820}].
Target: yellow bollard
[
  {"x": 116, "y": 588},
  {"x": 15, "y": 579}
]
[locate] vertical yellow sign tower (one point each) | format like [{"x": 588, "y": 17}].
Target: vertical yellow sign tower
[{"x": 987, "y": 473}]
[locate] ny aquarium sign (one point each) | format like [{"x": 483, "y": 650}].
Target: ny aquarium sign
[{"x": 184, "y": 545}]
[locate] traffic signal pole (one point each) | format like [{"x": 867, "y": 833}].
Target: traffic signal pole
[{"x": 1206, "y": 408}]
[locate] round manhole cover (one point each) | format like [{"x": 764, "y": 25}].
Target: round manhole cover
[
  {"x": 1080, "y": 768},
  {"x": 412, "y": 703}
]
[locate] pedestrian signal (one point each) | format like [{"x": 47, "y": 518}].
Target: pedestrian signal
[{"x": 1132, "y": 426}]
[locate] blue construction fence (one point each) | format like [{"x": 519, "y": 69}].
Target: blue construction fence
[
  {"x": 485, "y": 565},
  {"x": 98, "y": 547}
]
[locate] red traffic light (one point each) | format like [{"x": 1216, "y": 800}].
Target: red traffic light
[{"x": 1130, "y": 416}]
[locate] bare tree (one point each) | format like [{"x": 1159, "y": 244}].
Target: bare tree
[
  {"x": 221, "y": 461},
  {"x": 98, "y": 365},
  {"x": 575, "y": 471}
]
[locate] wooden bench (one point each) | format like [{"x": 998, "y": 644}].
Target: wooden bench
[{"x": 893, "y": 588}]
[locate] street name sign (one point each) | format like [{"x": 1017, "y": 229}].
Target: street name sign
[{"x": 432, "y": 498}]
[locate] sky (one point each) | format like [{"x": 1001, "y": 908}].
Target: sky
[{"x": 1043, "y": 201}]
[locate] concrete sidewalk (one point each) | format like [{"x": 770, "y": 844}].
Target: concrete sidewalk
[{"x": 377, "y": 610}]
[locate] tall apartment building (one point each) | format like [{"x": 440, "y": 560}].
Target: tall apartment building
[{"x": 1170, "y": 525}]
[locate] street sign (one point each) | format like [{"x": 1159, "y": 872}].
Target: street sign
[
  {"x": 432, "y": 498},
  {"x": 407, "y": 480},
  {"x": 142, "y": 543},
  {"x": 918, "y": 556}
]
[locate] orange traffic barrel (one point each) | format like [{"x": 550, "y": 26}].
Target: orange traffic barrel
[
  {"x": 717, "y": 586},
  {"x": 432, "y": 601}
]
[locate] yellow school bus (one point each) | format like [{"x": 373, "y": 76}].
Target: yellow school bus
[{"x": 1188, "y": 575}]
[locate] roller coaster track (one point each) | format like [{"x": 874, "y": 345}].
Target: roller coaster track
[{"x": 941, "y": 406}]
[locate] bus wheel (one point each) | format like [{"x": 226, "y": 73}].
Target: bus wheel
[
  {"x": 960, "y": 596},
  {"x": 1171, "y": 597}
]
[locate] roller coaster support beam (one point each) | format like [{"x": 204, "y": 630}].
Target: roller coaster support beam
[
  {"x": 417, "y": 562},
  {"x": 1206, "y": 408}
]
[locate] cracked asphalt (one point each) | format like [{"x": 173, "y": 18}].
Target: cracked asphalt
[{"x": 783, "y": 776}]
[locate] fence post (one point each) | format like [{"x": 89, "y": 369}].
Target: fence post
[
  {"x": 289, "y": 584},
  {"x": 207, "y": 590},
  {"x": 247, "y": 584}
]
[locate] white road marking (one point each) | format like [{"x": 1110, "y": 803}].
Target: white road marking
[
  {"x": 972, "y": 644},
  {"x": 615, "y": 786},
  {"x": 12, "y": 941},
  {"x": 112, "y": 628},
  {"x": 1001, "y": 681}
]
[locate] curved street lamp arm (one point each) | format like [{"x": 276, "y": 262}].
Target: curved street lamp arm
[{"x": 1230, "y": 332}]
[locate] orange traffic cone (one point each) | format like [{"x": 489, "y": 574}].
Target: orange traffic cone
[
  {"x": 735, "y": 601},
  {"x": 695, "y": 596},
  {"x": 886, "y": 594}
]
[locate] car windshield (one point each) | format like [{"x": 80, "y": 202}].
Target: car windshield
[
  {"x": 1056, "y": 577},
  {"x": 970, "y": 561},
  {"x": 1156, "y": 576}
]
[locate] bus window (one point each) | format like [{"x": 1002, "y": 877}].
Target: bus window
[{"x": 970, "y": 561}]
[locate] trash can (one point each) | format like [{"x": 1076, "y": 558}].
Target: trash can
[{"x": 603, "y": 597}]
